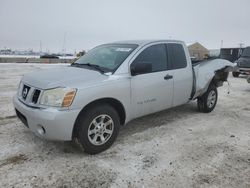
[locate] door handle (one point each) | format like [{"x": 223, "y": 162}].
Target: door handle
[{"x": 168, "y": 77}]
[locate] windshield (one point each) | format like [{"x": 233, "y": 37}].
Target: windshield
[
  {"x": 107, "y": 57},
  {"x": 246, "y": 52}
]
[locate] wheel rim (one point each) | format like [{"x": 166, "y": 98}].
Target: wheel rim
[
  {"x": 100, "y": 129},
  {"x": 211, "y": 99}
]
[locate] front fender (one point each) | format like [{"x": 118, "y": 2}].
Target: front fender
[{"x": 118, "y": 89}]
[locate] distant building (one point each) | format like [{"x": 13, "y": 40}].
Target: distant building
[
  {"x": 214, "y": 53},
  {"x": 81, "y": 53},
  {"x": 6, "y": 52},
  {"x": 197, "y": 51}
]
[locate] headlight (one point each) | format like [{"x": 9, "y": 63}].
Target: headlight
[{"x": 58, "y": 97}]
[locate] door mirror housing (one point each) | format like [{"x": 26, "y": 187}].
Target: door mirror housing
[{"x": 140, "y": 68}]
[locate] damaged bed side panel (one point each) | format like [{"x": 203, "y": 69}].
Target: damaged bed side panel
[{"x": 205, "y": 72}]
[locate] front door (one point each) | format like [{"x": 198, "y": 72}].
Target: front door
[{"x": 152, "y": 91}]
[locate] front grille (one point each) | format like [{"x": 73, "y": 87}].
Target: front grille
[
  {"x": 29, "y": 95},
  {"x": 244, "y": 64},
  {"x": 25, "y": 91},
  {"x": 36, "y": 96}
]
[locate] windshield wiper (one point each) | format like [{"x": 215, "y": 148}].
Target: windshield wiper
[{"x": 96, "y": 67}]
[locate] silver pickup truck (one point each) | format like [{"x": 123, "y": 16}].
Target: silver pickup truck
[{"x": 112, "y": 84}]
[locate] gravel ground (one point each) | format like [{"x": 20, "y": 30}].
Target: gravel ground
[{"x": 179, "y": 147}]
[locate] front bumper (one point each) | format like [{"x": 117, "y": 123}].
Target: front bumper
[{"x": 50, "y": 123}]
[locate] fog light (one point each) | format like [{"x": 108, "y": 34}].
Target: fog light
[{"x": 40, "y": 130}]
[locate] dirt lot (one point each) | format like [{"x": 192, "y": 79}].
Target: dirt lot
[{"x": 174, "y": 148}]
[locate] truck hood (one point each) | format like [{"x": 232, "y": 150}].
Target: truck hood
[{"x": 63, "y": 76}]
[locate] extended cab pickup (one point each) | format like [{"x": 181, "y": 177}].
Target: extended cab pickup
[{"x": 113, "y": 84}]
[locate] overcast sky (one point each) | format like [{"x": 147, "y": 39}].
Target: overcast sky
[{"x": 87, "y": 23}]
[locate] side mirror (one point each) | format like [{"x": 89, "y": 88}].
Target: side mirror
[{"x": 140, "y": 68}]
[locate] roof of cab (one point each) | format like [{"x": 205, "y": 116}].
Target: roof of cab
[{"x": 144, "y": 42}]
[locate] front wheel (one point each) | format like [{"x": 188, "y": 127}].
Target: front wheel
[
  {"x": 207, "y": 102},
  {"x": 97, "y": 128}
]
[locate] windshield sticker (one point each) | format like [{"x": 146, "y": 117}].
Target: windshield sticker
[{"x": 123, "y": 49}]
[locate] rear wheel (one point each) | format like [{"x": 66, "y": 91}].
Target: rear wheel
[
  {"x": 97, "y": 128},
  {"x": 236, "y": 74},
  {"x": 207, "y": 102}
]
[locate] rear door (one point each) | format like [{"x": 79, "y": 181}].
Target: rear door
[
  {"x": 182, "y": 73},
  {"x": 153, "y": 91}
]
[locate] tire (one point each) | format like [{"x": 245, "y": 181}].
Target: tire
[
  {"x": 236, "y": 74},
  {"x": 97, "y": 128},
  {"x": 207, "y": 102}
]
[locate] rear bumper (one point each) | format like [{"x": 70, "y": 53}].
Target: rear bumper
[{"x": 50, "y": 123}]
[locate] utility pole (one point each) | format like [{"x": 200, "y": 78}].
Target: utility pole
[
  {"x": 64, "y": 41},
  {"x": 221, "y": 44},
  {"x": 241, "y": 45},
  {"x": 41, "y": 49}
]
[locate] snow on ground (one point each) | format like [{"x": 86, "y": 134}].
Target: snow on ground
[{"x": 179, "y": 147}]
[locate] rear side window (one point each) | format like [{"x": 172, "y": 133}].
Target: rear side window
[
  {"x": 177, "y": 56},
  {"x": 154, "y": 55}
]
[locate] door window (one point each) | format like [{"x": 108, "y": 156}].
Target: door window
[
  {"x": 177, "y": 56},
  {"x": 155, "y": 56}
]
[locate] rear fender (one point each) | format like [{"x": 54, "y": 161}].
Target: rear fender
[{"x": 214, "y": 71}]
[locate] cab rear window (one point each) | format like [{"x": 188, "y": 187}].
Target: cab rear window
[{"x": 177, "y": 57}]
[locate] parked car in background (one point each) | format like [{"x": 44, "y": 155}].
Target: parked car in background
[
  {"x": 113, "y": 84},
  {"x": 230, "y": 54},
  {"x": 243, "y": 63},
  {"x": 248, "y": 79},
  {"x": 49, "y": 56}
]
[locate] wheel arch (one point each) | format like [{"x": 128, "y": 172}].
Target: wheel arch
[
  {"x": 116, "y": 104},
  {"x": 219, "y": 77}
]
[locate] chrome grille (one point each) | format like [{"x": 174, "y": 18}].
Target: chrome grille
[
  {"x": 36, "y": 96},
  {"x": 244, "y": 64},
  {"x": 25, "y": 91},
  {"x": 29, "y": 94}
]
